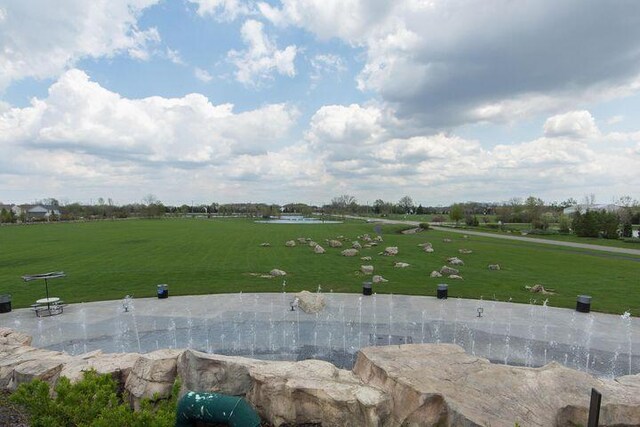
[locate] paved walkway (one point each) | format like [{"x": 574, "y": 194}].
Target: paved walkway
[{"x": 507, "y": 237}]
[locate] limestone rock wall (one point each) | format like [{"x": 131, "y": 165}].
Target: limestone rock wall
[{"x": 391, "y": 386}]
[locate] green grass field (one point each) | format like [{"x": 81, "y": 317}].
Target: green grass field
[{"x": 109, "y": 259}]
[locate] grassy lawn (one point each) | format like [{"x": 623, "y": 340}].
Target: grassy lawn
[{"x": 107, "y": 260}]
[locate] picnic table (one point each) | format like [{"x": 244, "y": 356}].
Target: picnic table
[{"x": 48, "y": 307}]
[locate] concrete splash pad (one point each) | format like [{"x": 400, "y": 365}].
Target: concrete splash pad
[{"x": 263, "y": 326}]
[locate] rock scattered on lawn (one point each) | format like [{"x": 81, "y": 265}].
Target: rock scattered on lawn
[
  {"x": 401, "y": 265},
  {"x": 356, "y": 245},
  {"x": 494, "y": 267},
  {"x": 455, "y": 276},
  {"x": 465, "y": 251},
  {"x": 539, "y": 289},
  {"x": 365, "y": 258},
  {"x": 290, "y": 243},
  {"x": 435, "y": 273},
  {"x": 366, "y": 269},
  {"x": 455, "y": 261},
  {"x": 318, "y": 249},
  {"x": 312, "y": 244},
  {"x": 302, "y": 240},
  {"x": 411, "y": 230},
  {"x": 391, "y": 251},
  {"x": 447, "y": 240},
  {"x": 275, "y": 272},
  {"x": 335, "y": 243},
  {"x": 265, "y": 244},
  {"x": 349, "y": 252},
  {"x": 378, "y": 279},
  {"x": 447, "y": 271}
]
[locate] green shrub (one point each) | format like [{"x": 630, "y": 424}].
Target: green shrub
[
  {"x": 424, "y": 225},
  {"x": 94, "y": 401}
]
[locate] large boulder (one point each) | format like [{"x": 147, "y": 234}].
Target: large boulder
[
  {"x": 432, "y": 385},
  {"x": 311, "y": 302},
  {"x": 214, "y": 373},
  {"x": 152, "y": 376},
  {"x": 315, "y": 392},
  {"x": 21, "y": 364},
  {"x": 318, "y": 249},
  {"x": 349, "y": 252},
  {"x": 9, "y": 336},
  {"x": 291, "y": 393},
  {"x": 118, "y": 365}
]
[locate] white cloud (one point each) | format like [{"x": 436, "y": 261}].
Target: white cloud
[
  {"x": 351, "y": 20},
  {"x": 141, "y": 41},
  {"x": 82, "y": 136},
  {"x": 43, "y": 39},
  {"x": 615, "y": 119},
  {"x": 225, "y": 10},
  {"x": 83, "y": 129},
  {"x": 174, "y": 56},
  {"x": 576, "y": 124},
  {"x": 262, "y": 57},
  {"x": 327, "y": 65},
  {"x": 362, "y": 146},
  {"x": 345, "y": 125},
  {"x": 454, "y": 62},
  {"x": 202, "y": 75}
]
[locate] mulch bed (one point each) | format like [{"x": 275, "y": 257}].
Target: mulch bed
[{"x": 10, "y": 413}]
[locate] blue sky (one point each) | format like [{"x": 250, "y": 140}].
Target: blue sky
[{"x": 304, "y": 100}]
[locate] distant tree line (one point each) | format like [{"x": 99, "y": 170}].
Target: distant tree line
[{"x": 532, "y": 210}]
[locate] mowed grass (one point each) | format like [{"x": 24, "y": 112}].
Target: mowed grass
[{"x": 110, "y": 259}]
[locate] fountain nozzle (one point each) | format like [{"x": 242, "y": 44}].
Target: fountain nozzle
[{"x": 126, "y": 303}]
